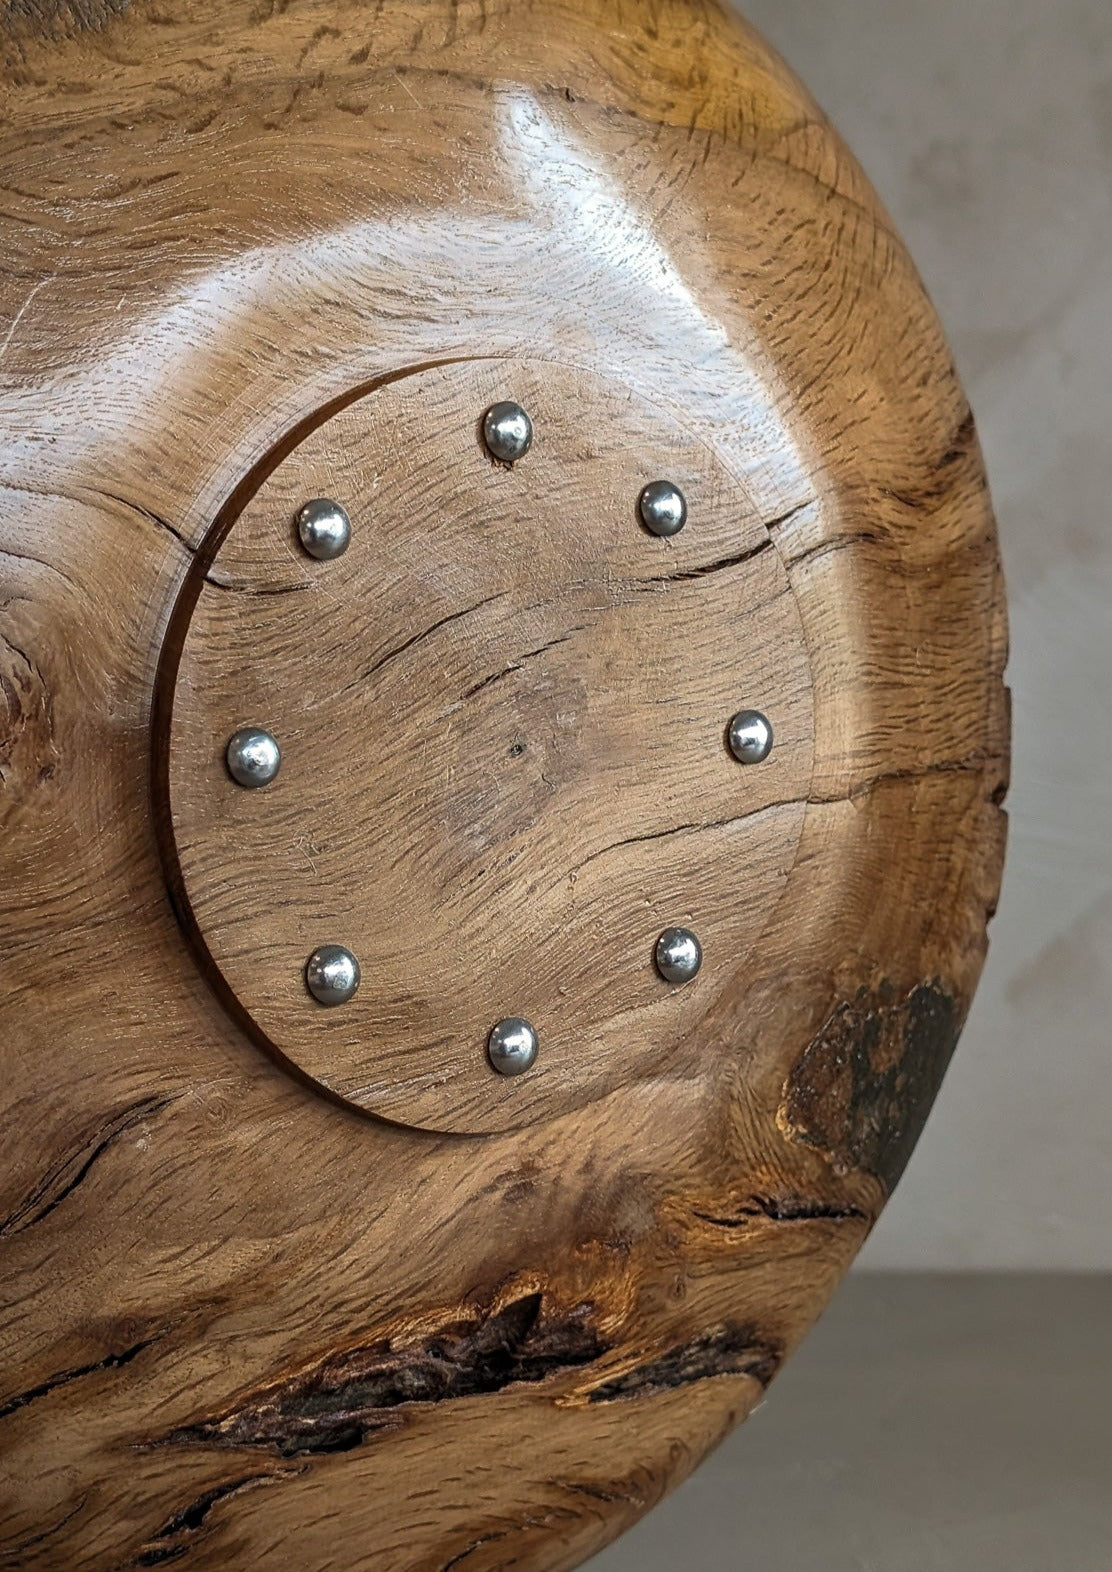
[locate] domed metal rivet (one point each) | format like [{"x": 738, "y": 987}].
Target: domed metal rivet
[
  {"x": 332, "y": 974},
  {"x": 750, "y": 737},
  {"x": 324, "y": 529},
  {"x": 507, "y": 432},
  {"x": 678, "y": 955},
  {"x": 253, "y": 756},
  {"x": 663, "y": 508},
  {"x": 512, "y": 1046}
]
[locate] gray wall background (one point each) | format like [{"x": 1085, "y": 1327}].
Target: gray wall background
[{"x": 986, "y": 125}]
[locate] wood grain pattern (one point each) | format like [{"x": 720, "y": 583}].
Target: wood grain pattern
[
  {"x": 246, "y": 1325},
  {"x": 503, "y": 715}
]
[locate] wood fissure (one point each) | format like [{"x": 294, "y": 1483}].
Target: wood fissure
[
  {"x": 346, "y": 1399},
  {"x": 113, "y": 1361},
  {"x": 785, "y": 1209},
  {"x": 179, "y": 1534},
  {"x": 74, "y": 1166},
  {"x": 737, "y": 1350}
]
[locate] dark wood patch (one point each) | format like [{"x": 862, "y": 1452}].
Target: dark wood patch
[{"x": 862, "y": 1090}]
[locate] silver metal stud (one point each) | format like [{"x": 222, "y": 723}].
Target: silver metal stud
[
  {"x": 332, "y": 974},
  {"x": 512, "y": 1046},
  {"x": 750, "y": 737},
  {"x": 253, "y": 756},
  {"x": 507, "y": 432},
  {"x": 663, "y": 508},
  {"x": 324, "y": 529},
  {"x": 678, "y": 955}
]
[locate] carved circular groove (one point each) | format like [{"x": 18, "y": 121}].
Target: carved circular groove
[{"x": 502, "y": 774}]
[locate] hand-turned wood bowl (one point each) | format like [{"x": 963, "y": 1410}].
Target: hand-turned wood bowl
[{"x": 503, "y": 737}]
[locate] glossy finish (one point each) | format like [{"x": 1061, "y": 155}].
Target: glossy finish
[
  {"x": 678, "y": 955},
  {"x": 332, "y": 974},
  {"x": 750, "y": 737},
  {"x": 278, "y": 1296},
  {"x": 474, "y": 695},
  {"x": 513, "y": 1046},
  {"x": 253, "y": 757},
  {"x": 324, "y": 529},
  {"x": 507, "y": 432},
  {"x": 663, "y": 508}
]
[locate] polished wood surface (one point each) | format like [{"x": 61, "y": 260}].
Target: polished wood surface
[
  {"x": 502, "y": 714},
  {"x": 293, "y": 1287}
]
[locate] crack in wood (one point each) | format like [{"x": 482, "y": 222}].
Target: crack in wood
[
  {"x": 19, "y": 1547},
  {"x": 397, "y": 650},
  {"x": 974, "y": 764},
  {"x": 785, "y": 1209},
  {"x": 672, "y": 830},
  {"x": 258, "y": 589},
  {"x": 340, "y": 1401},
  {"x": 518, "y": 664},
  {"x": 179, "y": 1533},
  {"x": 727, "y": 1351},
  {"x": 64, "y": 1377},
  {"x": 470, "y": 1548},
  {"x": 829, "y": 548},
  {"x": 145, "y": 513},
  {"x": 70, "y": 1170},
  {"x": 706, "y": 569}
]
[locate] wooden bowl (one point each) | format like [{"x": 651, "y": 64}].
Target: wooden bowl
[{"x": 312, "y": 1286}]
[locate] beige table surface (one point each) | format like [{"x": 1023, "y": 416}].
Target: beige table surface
[{"x": 929, "y": 1424}]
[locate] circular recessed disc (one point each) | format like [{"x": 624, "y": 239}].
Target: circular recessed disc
[{"x": 501, "y": 715}]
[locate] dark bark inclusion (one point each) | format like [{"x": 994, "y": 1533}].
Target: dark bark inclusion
[
  {"x": 346, "y": 1399},
  {"x": 731, "y": 1350},
  {"x": 862, "y": 1089},
  {"x": 860, "y": 1093},
  {"x": 338, "y": 1403}
]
